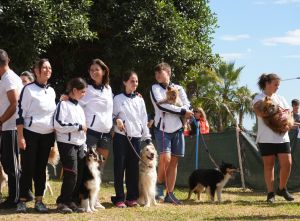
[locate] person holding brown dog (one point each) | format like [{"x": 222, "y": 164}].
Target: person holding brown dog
[{"x": 270, "y": 143}]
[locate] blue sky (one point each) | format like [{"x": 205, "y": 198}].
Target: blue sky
[{"x": 263, "y": 36}]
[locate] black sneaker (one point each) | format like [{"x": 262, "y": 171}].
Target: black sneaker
[
  {"x": 170, "y": 198},
  {"x": 285, "y": 194},
  {"x": 7, "y": 204},
  {"x": 271, "y": 197}
]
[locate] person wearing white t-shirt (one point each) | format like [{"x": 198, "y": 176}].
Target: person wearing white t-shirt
[
  {"x": 271, "y": 144},
  {"x": 10, "y": 87}
]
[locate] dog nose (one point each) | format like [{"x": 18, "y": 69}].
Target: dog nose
[{"x": 152, "y": 154}]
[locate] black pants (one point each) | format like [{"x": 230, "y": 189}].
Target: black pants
[
  {"x": 72, "y": 158},
  {"x": 9, "y": 153},
  {"x": 34, "y": 160},
  {"x": 126, "y": 160}
]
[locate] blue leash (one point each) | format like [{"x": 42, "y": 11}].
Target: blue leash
[{"x": 204, "y": 143}]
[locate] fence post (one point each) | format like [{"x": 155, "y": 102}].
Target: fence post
[{"x": 240, "y": 156}]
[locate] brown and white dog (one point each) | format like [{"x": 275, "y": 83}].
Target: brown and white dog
[
  {"x": 147, "y": 176},
  {"x": 172, "y": 97},
  {"x": 274, "y": 116},
  {"x": 53, "y": 160},
  {"x": 3, "y": 179}
]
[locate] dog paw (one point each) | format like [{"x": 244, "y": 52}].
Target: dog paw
[
  {"x": 147, "y": 205},
  {"x": 99, "y": 206}
]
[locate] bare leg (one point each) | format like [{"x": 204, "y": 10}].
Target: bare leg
[{"x": 269, "y": 162}]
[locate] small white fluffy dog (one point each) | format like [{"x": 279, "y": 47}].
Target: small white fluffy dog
[{"x": 147, "y": 176}]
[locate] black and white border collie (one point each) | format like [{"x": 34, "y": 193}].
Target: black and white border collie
[
  {"x": 91, "y": 181},
  {"x": 212, "y": 180}
]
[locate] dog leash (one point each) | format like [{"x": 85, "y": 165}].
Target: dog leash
[
  {"x": 132, "y": 147},
  {"x": 205, "y": 146}
]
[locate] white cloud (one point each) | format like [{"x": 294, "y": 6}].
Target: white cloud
[
  {"x": 291, "y": 38},
  {"x": 232, "y": 56},
  {"x": 284, "y": 2},
  {"x": 235, "y": 37},
  {"x": 292, "y": 56}
]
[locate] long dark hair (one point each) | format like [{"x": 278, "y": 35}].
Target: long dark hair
[
  {"x": 39, "y": 64},
  {"x": 105, "y": 79},
  {"x": 266, "y": 78},
  {"x": 126, "y": 75}
]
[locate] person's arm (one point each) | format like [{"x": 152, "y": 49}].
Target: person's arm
[
  {"x": 12, "y": 96},
  {"x": 257, "y": 108},
  {"x": 61, "y": 120},
  {"x": 146, "y": 136},
  {"x": 23, "y": 107},
  {"x": 170, "y": 108},
  {"x": 186, "y": 103},
  {"x": 21, "y": 139}
]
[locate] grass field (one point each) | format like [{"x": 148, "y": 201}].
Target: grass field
[{"x": 237, "y": 204}]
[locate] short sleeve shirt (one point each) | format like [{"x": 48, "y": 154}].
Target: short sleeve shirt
[
  {"x": 9, "y": 81},
  {"x": 264, "y": 133}
]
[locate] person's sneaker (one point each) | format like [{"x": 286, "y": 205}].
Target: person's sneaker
[
  {"x": 63, "y": 208},
  {"x": 131, "y": 203},
  {"x": 271, "y": 197},
  {"x": 75, "y": 208},
  {"x": 285, "y": 194},
  {"x": 21, "y": 207},
  {"x": 120, "y": 204},
  {"x": 170, "y": 198},
  {"x": 160, "y": 191},
  {"x": 40, "y": 207},
  {"x": 7, "y": 204}
]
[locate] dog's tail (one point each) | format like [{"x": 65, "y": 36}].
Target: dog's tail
[{"x": 53, "y": 156}]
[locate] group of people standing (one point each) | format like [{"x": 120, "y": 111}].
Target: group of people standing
[{"x": 31, "y": 122}]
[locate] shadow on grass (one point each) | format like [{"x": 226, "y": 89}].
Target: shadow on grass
[
  {"x": 29, "y": 211},
  {"x": 261, "y": 203},
  {"x": 258, "y": 217}
]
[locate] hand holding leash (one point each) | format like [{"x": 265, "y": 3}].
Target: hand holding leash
[
  {"x": 120, "y": 124},
  {"x": 189, "y": 114},
  {"x": 22, "y": 143}
]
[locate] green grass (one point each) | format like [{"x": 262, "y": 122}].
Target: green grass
[{"x": 237, "y": 204}]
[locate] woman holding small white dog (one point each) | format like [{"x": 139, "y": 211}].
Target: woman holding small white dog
[
  {"x": 130, "y": 128},
  {"x": 271, "y": 144}
]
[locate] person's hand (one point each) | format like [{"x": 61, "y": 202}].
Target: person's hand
[
  {"x": 22, "y": 143},
  {"x": 84, "y": 128},
  {"x": 64, "y": 97},
  {"x": 120, "y": 124},
  {"x": 188, "y": 114}
]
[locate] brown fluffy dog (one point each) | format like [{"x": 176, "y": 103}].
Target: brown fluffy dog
[
  {"x": 53, "y": 161},
  {"x": 172, "y": 97},
  {"x": 275, "y": 117}
]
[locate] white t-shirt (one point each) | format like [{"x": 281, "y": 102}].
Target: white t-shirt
[
  {"x": 9, "y": 81},
  {"x": 264, "y": 133}
]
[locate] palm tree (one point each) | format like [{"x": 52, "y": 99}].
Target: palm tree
[{"x": 243, "y": 103}]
